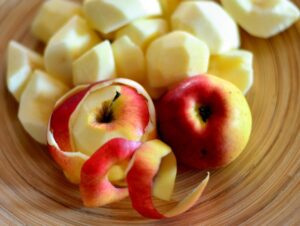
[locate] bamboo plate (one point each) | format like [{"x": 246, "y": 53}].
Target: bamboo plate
[{"x": 262, "y": 187}]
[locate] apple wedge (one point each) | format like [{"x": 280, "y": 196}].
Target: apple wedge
[
  {"x": 209, "y": 22},
  {"x": 235, "y": 66},
  {"x": 52, "y": 15},
  {"x": 142, "y": 32},
  {"x": 69, "y": 43},
  {"x": 263, "y": 18},
  {"x": 37, "y": 103},
  {"x": 145, "y": 165},
  {"x": 95, "y": 65},
  {"x": 21, "y": 62},
  {"x": 174, "y": 57},
  {"x": 107, "y": 16},
  {"x": 130, "y": 59},
  {"x": 98, "y": 112}
]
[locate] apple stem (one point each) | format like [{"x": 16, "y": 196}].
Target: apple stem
[{"x": 107, "y": 114}]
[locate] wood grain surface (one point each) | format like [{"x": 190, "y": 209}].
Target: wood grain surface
[{"x": 262, "y": 187}]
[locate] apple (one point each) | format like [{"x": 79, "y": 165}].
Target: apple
[
  {"x": 21, "y": 62},
  {"x": 145, "y": 168},
  {"x": 143, "y": 31},
  {"x": 95, "y": 65},
  {"x": 209, "y": 22},
  {"x": 206, "y": 120},
  {"x": 37, "y": 103},
  {"x": 52, "y": 15},
  {"x": 168, "y": 7},
  {"x": 174, "y": 57},
  {"x": 263, "y": 18},
  {"x": 235, "y": 66},
  {"x": 89, "y": 116},
  {"x": 68, "y": 43},
  {"x": 108, "y": 16}
]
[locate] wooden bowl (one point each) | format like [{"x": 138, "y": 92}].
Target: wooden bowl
[{"x": 262, "y": 187}]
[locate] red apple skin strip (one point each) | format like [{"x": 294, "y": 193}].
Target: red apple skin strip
[
  {"x": 143, "y": 169},
  {"x": 95, "y": 188}
]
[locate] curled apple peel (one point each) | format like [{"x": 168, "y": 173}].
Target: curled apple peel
[
  {"x": 95, "y": 187},
  {"x": 144, "y": 167},
  {"x": 60, "y": 140}
]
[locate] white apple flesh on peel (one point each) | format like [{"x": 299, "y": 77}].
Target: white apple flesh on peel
[
  {"x": 260, "y": 18},
  {"x": 209, "y": 22},
  {"x": 37, "y": 103},
  {"x": 107, "y": 16},
  {"x": 174, "y": 57},
  {"x": 69, "y": 43},
  {"x": 95, "y": 65},
  {"x": 235, "y": 66},
  {"x": 144, "y": 31},
  {"x": 21, "y": 62},
  {"x": 52, "y": 16}
]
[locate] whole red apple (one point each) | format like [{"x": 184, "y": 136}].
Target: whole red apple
[{"x": 206, "y": 120}]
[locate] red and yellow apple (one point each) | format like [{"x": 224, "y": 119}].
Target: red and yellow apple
[
  {"x": 89, "y": 116},
  {"x": 206, "y": 120}
]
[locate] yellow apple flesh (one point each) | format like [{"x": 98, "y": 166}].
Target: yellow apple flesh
[
  {"x": 69, "y": 43},
  {"x": 52, "y": 15},
  {"x": 21, "y": 62},
  {"x": 174, "y": 57},
  {"x": 95, "y": 65}
]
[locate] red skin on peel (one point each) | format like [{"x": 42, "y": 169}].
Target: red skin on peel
[
  {"x": 95, "y": 188},
  {"x": 201, "y": 148}
]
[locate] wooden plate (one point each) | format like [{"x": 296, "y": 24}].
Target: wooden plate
[{"x": 262, "y": 187}]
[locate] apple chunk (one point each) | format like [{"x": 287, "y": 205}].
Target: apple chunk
[
  {"x": 37, "y": 103},
  {"x": 21, "y": 62},
  {"x": 263, "y": 18},
  {"x": 69, "y": 43},
  {"x": 52, "y": 15},
  {"x": 95, "y": 65},
  {"x": 175, "y": 56},
  {"x": 146, "y": 163},
  {"x": 95, "y": 188},
  {"x": 142, "y": 32},
  {"x": 209, "y": 22},
  {"x": 107, "y": 16},
  {"x": 130, "y": 60},
  {"x": 235, "y": 66}
]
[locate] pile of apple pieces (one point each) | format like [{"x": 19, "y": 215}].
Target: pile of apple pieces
[{"x": 155, "y": 43}]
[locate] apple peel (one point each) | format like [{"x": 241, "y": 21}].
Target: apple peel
[
  {"x": 95, "y": 187},
  {"x": 144, "y": 167}
]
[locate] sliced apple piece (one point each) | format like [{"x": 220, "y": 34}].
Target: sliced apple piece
[
  {"x": 37, "y": 103},
  {"x": 95, "y": 65},
  {"x": 235, "y": 66},
  {"x": 263, "y": 19},
  {"x": 107, "y": 16},
  {"x": 175, "y": 56},
  {"x": 52, "y": 15},
  {"x": 21, "y": 62},
  {"x": 69, "y": 43},
  {"x": 95, "y": 188},
  {"x": 143, "y": 169},
  {"x": 209, "y": 22},
  {"x": 130, "y": 60},
  {"x": 142, "y": 32}
]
